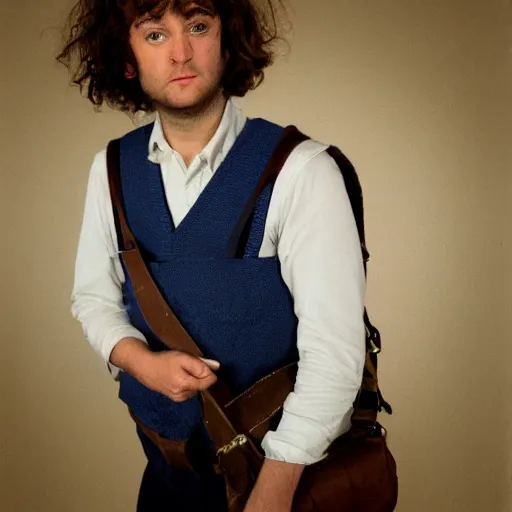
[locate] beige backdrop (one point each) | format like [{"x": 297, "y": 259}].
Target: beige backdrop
[{"x": 418, "y": 94}]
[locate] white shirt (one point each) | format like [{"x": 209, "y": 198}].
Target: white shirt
[{"x": 309, "y": 225}]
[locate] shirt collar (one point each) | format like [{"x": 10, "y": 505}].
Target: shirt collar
[{"x": 231, "y": 124}]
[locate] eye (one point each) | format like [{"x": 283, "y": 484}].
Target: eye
[
  {"x": 155, "y": 37},
  {"x": 202, "y": 28}
]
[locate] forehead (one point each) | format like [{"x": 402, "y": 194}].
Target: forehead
[{"x": 134, "y": 9}]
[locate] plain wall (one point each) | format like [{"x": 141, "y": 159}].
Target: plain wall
[
  {"x": 507, "y": 304},
  {"x": 418, "y": 95},
  {"x": 506, "y": 328}
]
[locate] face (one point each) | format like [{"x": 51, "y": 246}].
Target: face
[{"x": 176, "y": 46}]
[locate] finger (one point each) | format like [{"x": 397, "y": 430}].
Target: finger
[
  {"x": 206, "y": 382},
  {"x": 195, "y": 367},
  {"x": 182, "y": 397},
  {"x": 190, "y": 383},
  {"x": 211, "y": 363}
]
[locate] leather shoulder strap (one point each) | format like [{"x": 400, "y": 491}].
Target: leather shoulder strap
[
  {"x": 354, "y": 192},
  {"x": 290, "y": 139},
  {"x": 154, "y": 308},
  {"x": 125, "y": 238}
]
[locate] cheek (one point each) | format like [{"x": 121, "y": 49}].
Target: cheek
[
  {"x": 149, "y": 59},
  {"x": 212, "y": 60},
  {"x": 153, "y": 65}
]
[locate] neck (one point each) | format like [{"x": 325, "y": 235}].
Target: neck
[{"x": 189, "y": 130}]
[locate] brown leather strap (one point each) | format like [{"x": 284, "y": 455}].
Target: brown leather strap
[
  {"x": 261, "y": 401},
  {"x": 290, "y": 139},
  {"x": 175, "y": 452},
  {"x": 354, "y": 193},
  {"x": 156, "y": 311}
]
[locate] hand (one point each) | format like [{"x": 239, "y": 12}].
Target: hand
[
  {"x": 172, "y": 373},
  {"x": 178, "y": 375}
]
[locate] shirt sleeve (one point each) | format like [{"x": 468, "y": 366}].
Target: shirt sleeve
[
  {"x": 321, "y": 263},
  {"x": 97, "y": 300}
]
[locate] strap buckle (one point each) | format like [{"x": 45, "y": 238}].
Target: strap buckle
[
  {"x": 366, "y": 254},
  {"x": 374, "y": 349},
  {"x": 235, "y": 443}
]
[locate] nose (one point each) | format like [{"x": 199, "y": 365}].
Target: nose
[{"x": 182, "y": 50}]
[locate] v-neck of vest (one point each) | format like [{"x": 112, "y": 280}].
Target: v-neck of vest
[{"x": 218, "y": 176}]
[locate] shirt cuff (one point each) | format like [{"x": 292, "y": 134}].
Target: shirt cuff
[
  {"x": 298, "y": 440},
  {"x": 276, "y": 448},
  {"x": 112, "y": 340}
]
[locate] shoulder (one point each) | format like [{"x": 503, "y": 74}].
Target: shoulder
[
  {"x": 98, "y": 170},
  {"x": 309, "y": 160},
  {"x": 309, "y": 183},
  {"x": 137, "y": 139},
  {"x": 309, "y": 164}
]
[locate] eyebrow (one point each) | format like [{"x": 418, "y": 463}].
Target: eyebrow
[
  {"x": 197, "y": 11},
  {"x": 194, "y": 11},
  {"x": 145, "y": 21}
]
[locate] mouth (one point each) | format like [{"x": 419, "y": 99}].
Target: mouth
[{"x": 184, "y": 79}]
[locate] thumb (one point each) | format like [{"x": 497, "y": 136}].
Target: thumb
[{"x": 196, "y": 367}]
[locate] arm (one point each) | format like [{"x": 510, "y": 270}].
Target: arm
[
  {"x": 321, "y": 263},
  {"x": 275, "y": 487},
  {"x": 97, "y": 301}
]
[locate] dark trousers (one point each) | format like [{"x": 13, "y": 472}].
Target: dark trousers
[{"x": 166, "y": 489}]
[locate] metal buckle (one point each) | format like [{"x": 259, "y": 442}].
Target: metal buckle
[
  {"x": 374, "y": 348},
  {"x": 237, "y": 441},
  {"x": 366, "y": 254}
]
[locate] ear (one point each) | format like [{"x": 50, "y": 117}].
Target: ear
[{"x": 130, "y": 72}]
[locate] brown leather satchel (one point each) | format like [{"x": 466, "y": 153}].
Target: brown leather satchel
[{"x": 359, "y": 472}]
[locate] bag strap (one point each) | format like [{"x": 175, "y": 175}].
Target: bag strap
[
  {"x": 153, "y": 306},
  {"x": 290, "y": 139},
  {"x": 369, "y": 400},
  {"x": 369, "y": 397}
]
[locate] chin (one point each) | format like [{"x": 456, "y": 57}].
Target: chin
[
  {"x": 189, "y": 101},
  {"x": 177, "y": 104}
]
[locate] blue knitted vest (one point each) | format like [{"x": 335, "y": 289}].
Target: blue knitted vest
[{"x": 237, "y": 310}]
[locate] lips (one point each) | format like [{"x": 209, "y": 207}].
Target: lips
[{"x": 185, "y": 77}]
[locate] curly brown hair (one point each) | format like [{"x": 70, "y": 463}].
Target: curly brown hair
[{"x": 96, "y": 48}]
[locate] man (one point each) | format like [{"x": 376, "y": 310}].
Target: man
[{"x": 186, "y": 60}]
